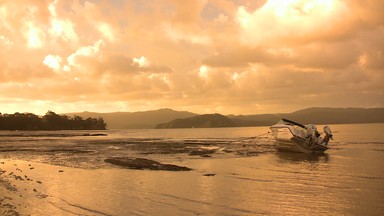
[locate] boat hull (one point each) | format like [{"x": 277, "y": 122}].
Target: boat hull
[
  {"x": 297, "y": 144},
  {"x": 292, "y": 136}
]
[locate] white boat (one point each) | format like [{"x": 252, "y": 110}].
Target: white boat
[{"x": 293, "y": 136}]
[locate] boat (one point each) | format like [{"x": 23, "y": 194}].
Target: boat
[{"x": 293, "y": 136}]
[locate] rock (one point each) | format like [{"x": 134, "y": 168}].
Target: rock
[
  {"x": 209, "y": 174},
  {"x": 41, "y": 195},
  {"x": 143, "y": 163},
  {"x": 18, "y": 178},
  {"x": 205, "y": 155},
  {"x": 95, "y": 134},
  {"x": 202, "y": 152}
]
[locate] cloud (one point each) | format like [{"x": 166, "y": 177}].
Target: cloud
[
  {"x": 141, "y": 62},
  {"x": 241, "y": 56},
  {"x": 204, "y": 56},
  {"x": 53, "y": 61},
  {"x": 79, "y": 58},
  {"x": 176, "y": 35},
  {"x": 290, "y": 21}
]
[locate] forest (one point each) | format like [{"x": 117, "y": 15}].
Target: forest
[{"x": 50, "y": 121}]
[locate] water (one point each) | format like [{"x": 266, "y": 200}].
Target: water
[{"x": 239, "y": 176}]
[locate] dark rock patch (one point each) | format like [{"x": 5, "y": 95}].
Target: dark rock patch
[
  {"x": 144, "y": 164},
  {"x": 202, "y": 152},
  {"x": 95, "y": 134}
]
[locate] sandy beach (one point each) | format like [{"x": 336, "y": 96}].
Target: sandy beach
[{"x": 22, "y": 192}]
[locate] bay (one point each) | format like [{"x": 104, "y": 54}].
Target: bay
[{"x": 243, "y": 174}]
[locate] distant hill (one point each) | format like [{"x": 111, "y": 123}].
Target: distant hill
[
  {"x": 201, "y": 121},
  {"x": 316, "y": 115},
  {"x": 165, "y": 117},
  {"x": 255, "y": 120},
  {"x": 339, "y": 115},
  {"x": 137, "y": 120}
]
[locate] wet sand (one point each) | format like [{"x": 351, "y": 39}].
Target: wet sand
[
  {"x": 36, "y": 189},
  {"x": 42, "y": 189},
  {"x": 18, "y": 185},
  {"x": 29, "y": 172}
]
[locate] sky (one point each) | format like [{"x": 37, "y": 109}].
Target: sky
[{"x": 203, "y": 56}]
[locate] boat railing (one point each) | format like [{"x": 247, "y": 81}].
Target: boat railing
[{"x": 294, "y": 131}]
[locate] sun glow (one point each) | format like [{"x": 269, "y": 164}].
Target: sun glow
[
  {"x": 34, "y": 36},
  {"x": 63, "y": 29},
  {"x": 292, "y": 8},
  {"x": 107, "y": 31},
  {"x": 203, "y": 71},
  {"x": 291, "y": 18}
]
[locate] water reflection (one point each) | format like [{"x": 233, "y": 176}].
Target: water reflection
[{"x": 294, "y": 157}]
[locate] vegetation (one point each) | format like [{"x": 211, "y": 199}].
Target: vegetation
[
  {"x": 50, "y": 121},
  {"x": 201, "y": 121}
]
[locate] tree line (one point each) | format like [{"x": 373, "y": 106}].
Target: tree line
[{"x": 50, "y": 121}]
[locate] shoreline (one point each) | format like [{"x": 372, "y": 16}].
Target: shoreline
[
  {"x": 33, "y": 188},
  {"x": 18, "y": 186},
  {"x": 25, "y": 185}
]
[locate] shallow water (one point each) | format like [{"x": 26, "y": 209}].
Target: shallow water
[{"x": 242, "y": 176}]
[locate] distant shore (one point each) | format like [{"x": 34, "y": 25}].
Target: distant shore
[
  {"x": 183, "y": 119},
  {"x": 50, "y": 121}
]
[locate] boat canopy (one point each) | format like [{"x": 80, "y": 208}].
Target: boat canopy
[{"x": 286, "y": 121}]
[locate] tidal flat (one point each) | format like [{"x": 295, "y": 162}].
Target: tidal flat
[{"x": 221, "y": 171}]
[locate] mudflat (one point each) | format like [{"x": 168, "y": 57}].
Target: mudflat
[{"x": 190, "y": 172}]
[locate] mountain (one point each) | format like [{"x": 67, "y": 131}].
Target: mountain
[
  {"x": 136, "y": 120},
  {"x": 316, "y": 115},
  {"x": 255, "y": 120},
  {"x": 201, "y": 121},
  {"x": 168, "y": 118},
  {"x": 339, "y": 115}
]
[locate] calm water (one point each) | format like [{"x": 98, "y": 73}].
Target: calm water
[{"x": 247, "y": 176}]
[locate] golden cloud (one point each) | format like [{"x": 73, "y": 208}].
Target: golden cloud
[{"x": 262, "y": 55}]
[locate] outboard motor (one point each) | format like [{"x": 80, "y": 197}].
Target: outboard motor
[
  {"x": 312, "y": 135},
  {"x": 311, "y": 130},
  {"x": 328, "y": 134}
]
